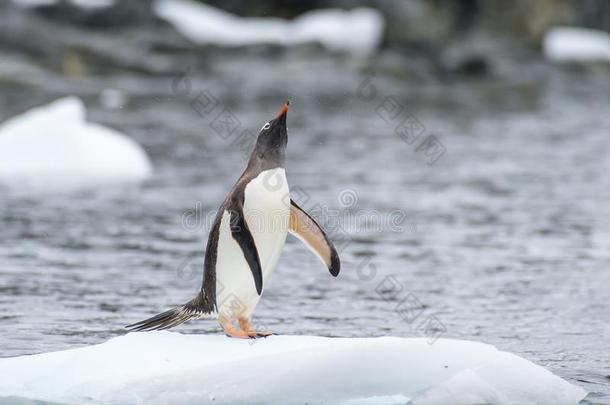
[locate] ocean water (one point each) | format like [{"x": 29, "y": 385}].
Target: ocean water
[{"x": 470, "y": 209}]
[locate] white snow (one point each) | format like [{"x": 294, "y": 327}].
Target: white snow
[
  {"x": 357, "y": 31},
  {"x": 167, "y": 367},
  {"x": 567, "y": 44},
  {"x": 54, "y": 147}
]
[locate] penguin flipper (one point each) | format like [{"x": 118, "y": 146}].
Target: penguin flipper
[
  {"x": 304, "y": 227},
  {"x": 242, "y": 235}
]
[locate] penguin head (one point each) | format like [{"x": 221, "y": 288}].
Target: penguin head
[{"x": 273, "y": 137}]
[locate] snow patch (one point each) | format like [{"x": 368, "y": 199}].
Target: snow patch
[
  {"x": 167, "y": 367},
  {"x": 566, "y": 44},
  {"x": 358, "y": 31},
  {"x": 54, "y": 147}
]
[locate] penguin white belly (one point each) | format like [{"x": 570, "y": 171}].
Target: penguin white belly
[{"x": 267, "y": 213}]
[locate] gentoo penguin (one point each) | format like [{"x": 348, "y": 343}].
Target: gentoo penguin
[{"x": 246, "y": 241}]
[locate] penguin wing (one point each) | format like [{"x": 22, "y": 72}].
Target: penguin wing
[
  {"x": 304, "y": 227},
  {"x": 242, "y": 235}
]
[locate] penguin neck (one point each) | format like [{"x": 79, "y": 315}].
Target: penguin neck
[{"x": 265, "y": 158}]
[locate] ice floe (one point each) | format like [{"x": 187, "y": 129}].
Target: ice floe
[
  {"x": 54, "y": 147},
  {"x": 167, "y": 367},
  {"x": 358, "y": 31},
  {"x": 568, "y": 44}
]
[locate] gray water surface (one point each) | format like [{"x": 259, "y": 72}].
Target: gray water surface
[{"x": 505, "y": 239}]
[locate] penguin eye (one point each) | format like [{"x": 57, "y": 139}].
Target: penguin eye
[{"x": 266, "y": 126}]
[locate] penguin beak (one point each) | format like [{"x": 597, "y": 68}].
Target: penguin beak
[{"x": 283, "y": 112}]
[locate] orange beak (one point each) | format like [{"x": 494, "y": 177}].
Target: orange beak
[{"x": 284, "y": 109}]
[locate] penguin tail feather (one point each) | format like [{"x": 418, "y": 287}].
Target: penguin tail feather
[{"x": 175, "y": 316}]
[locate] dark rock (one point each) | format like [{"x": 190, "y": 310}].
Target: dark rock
[{"x": 119, "y": 14}]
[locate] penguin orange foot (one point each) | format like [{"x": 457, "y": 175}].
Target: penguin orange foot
[
  {"x": 245, "y": 330},
  {"x": 246, "y": 325},
  {"x": 232, "y": 331},
  {"x": 246, "y": 241}
]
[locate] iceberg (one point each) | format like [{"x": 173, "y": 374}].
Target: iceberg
[
  {"x": 168, "y": 367},
  {"x": 358, "y": 31},
  {"x": 53, "y": 146},
  {"x": 567, "y": 44}
]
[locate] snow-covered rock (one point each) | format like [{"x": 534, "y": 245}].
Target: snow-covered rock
[
  {"x": 54, "y": 147},
  {"x": 358, "y": 31},
  {"x": 567, "y": 44},
  {"x": 167, "y": 367}
]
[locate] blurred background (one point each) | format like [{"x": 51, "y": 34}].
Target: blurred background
[{"x": 457, "y": 151}]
